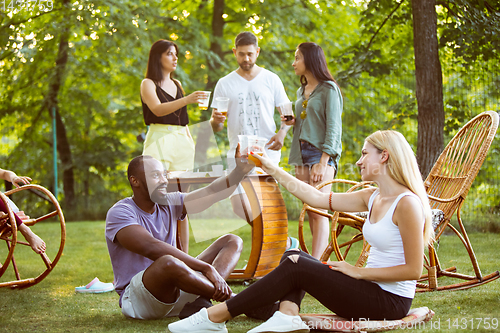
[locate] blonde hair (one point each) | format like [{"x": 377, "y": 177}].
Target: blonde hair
[{"x": 403, "y": 168}]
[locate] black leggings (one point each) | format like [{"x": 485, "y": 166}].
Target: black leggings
[{"x": 346, "y": 296}]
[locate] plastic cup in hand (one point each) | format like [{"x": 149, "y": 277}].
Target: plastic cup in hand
[
  {"x": 203, "y": 103},
  {"x": 287, "y": 111},
  {"x": 222, "y": 104},
  {"x": 243, "y": 141},
  {"x": 256, "y": 146}
]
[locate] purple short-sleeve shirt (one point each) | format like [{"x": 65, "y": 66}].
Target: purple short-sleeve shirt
[{"x": 162, "y": 225}]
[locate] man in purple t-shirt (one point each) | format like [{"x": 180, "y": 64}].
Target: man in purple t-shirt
[{"x": 153, "y": 277}]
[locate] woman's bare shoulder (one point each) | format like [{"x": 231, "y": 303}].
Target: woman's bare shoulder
[
  {"x": 365, "y": 194},
  {"x": 147, "y": 82},
  {"x": 408, "y": 208}
]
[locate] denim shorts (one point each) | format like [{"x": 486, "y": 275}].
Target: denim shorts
[{"x": 312, "y": 155}]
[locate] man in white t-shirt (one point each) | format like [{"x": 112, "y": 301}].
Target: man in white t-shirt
[{"x": 254, "y": 93}]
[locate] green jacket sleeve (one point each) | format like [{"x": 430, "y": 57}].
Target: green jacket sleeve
[{"x": 333, "y": 110}]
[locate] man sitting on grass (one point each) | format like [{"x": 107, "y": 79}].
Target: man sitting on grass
[{"x": 152, "y": 276}]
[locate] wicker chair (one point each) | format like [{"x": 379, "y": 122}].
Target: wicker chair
[
  {"x": 338, "y": 221},
  {"x": 8, "y": 233},
  {"x": 447, "y": 185}
]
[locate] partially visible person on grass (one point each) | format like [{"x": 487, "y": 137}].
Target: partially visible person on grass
[
  {"x": 36, "y": 243},
  {"x": 398, "y": 227},
  {"x": 153, "y": 277}
]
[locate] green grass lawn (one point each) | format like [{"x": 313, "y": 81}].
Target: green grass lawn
[{"x": 53, "y": 305}]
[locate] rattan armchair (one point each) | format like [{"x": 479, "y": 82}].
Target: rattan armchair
[
  {"x": 9, "y": 234},
  {"x": 338, "y": 221},
  {"x": 447, "y": 185}
]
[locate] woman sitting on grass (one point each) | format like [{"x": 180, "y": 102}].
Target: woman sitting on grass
[
  {"x": 398, "y": 227},
  {"x": 36, "y": 243}
]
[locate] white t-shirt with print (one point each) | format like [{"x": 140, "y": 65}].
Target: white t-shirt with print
[{"x": 251, "y": 108}]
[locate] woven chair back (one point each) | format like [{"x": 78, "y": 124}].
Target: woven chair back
[{"x": 457, "y": 166}]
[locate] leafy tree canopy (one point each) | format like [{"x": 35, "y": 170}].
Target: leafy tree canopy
[{"x": 366, "y": 43}]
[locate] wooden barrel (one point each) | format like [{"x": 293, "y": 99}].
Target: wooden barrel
[{"x": 269, "y": 228}]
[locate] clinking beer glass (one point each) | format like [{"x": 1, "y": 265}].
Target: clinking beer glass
[
  {"x": 203, "y": 103},
  {"x": 286, "y": 110},
  {"x": 222, "y": 104},
  {"x": 256, "y": 145}
]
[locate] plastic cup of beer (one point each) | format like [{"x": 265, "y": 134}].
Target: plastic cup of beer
[
  {"x": 222, "y": 105},
  {"x": 203, "y": 103},
  {"x": 243, "y": 141},
  {"x": 256, "y": 145},
  {"x": 287, "y": 111}
]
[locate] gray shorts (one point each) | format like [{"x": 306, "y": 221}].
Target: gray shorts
[{"x": 139, "y": 303}]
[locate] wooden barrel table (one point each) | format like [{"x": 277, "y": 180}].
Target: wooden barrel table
[{"x": 269, "y": 228}]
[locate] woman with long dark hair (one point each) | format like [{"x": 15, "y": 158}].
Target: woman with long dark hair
[
  {"x": 164, "y": 109},
  {"x": 317, "y": 135}
]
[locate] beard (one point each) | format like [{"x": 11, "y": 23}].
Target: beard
[
  {"x": 159, "y": 195},
  {"x": 246, "y": 66}
]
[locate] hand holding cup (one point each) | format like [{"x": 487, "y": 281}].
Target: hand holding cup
[
  {"x": 286, "y": 111},
  {"x": 197, "y": 97},
  {"x": 203, "y": 101},
  {"x": 288, "y": 122},
  {"x": 241, "y": 160},
  {"x": 218, "y": 117},
  {"x": 222, "y": 105},
  {"x": 263, "y": 160},
  {"x": 256, "y": 146}
]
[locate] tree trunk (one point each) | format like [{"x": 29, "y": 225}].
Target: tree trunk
[
  {"x": 215, "y": 47},
  {"x": 63, "y": 146},
  {"x": 202, "y": 142},
  {"x": 429, "y": 84}
]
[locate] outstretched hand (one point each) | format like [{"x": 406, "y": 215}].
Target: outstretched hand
[
  {"x": 196, "y": 97},
  {"x": 19, "y": 181},
  {"x": 242, "y": 160},
  {"x": 267, "y": 164}
]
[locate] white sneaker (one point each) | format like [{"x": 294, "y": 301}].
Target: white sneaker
[
  {"x": 197, "y": 323},
  {"x": 281, "y": 322}
]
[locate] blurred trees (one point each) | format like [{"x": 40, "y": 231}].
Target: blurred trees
[{"x": 86, "y": 59}]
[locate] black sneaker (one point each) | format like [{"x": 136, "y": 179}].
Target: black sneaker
[{"x": 194, "y": 307}]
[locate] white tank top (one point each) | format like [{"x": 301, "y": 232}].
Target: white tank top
[{"x": 387, "y": 247}]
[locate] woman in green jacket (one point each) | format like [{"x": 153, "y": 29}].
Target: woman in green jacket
[{"x": 317, "y": 135}]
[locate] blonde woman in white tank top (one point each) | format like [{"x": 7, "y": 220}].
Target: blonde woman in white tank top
[{"x": 398, "y": 228}]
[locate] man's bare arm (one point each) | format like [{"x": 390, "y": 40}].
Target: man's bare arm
[{"x": 138, "y": 240}]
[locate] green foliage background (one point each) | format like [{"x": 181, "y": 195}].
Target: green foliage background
[{"x": 368, "y": 45}]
